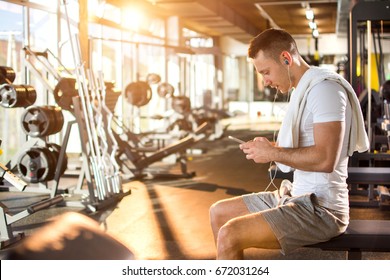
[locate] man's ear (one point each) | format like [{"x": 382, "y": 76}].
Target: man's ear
[{"x": 286, "y": 58}]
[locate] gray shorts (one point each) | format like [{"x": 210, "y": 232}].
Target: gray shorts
[{"x": 297, "y": 221}]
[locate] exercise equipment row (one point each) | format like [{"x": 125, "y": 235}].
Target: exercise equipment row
[
  {"x": 139, "y": 93},
  {"x": 67, "y": 88},
  {"x": 66, "y": 84},
  {"x": 34, "y": 164}
]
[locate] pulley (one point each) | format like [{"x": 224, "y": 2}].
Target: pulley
[
  {"x": 37, "y": 164},
  {"x": 64, "y": 91},
  {"x": 165, "y": 90},
  {"x": 40, "y": 121},
  {"x": 181, "y": 104},
  {"x": 7, "y": 75},
  {"x": 12, "y": 96},
  {"x": 138, "y": 93}
]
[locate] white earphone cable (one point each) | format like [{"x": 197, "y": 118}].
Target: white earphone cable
[{"x": 272, "y": 163}]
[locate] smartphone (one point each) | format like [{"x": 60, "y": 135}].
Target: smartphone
[{"x": 236, "y": 139}]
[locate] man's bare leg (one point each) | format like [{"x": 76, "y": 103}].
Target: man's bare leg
[
  {"x": 223, "y": 211},
  {"x": 236, "y": 229}
]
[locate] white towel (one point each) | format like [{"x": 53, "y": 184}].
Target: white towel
[{"x": 289, "y": 131}]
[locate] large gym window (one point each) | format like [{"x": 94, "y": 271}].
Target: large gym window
[{"x": 11, "y": 43}]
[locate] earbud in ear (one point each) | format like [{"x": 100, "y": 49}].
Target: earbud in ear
[{"x": 286, "y": 62}]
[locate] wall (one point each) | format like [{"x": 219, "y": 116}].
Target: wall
[{"x": 328, "y": 44}]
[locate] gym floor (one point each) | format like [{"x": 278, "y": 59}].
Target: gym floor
[{"x": 169, "y": 219}]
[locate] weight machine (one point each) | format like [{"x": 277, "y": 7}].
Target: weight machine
[
  {"x": 368, "y": 22},
  {"x": 136, "y": 159},
  {"x": 37, "y": 160},
  {"x": 7, "y": 236},
  {"x": 133, "y": 154}
]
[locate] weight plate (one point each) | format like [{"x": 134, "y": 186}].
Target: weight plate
[
  {"x": 40, "y": 121},
  {"x": 64, "y": 91},
  {"x": 7, "y": 75},
  {"x": 12, "y": 96},
  {"x": 58, "y": 124},
  {"x": 37, "y": 165},
  {"x": 36, "y": 122},
  {"x": 153, "y": 78},
  {"x": 181, "y": 104},
  {"x": 165, "y": 90},
  {"x": 28, "y": 98},
  {"x": 56, "y": 149},
  {"x": 138, "y": 93},
  {"x": 7, "y": 96}
]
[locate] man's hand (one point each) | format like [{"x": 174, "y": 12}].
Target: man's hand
[{"x": 259, "y": 150}]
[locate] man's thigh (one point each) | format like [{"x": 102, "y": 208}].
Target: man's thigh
[
  {"x": 252, "y": 230},
  {"x": 230, "y": 208}
]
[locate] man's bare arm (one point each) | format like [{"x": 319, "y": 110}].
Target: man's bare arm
[{"x": 321, "y": 157}]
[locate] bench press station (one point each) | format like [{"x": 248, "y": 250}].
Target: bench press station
[{"x": 361, "y": 235}]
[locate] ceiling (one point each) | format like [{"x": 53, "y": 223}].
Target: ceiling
[{"x": 243, "y": 19}]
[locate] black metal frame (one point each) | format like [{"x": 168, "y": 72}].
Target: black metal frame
[{"x": 363, "y": 11}]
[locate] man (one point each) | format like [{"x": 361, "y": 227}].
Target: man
[{"x": 322, "y": 127}]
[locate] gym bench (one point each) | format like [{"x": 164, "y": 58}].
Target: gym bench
[{"x": 361, "y": 235}]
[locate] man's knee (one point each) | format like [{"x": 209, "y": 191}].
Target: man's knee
[
  {"x": 225, "y": 210},
  {"x": 215, "y": 212},
  {"x": 228, "y": 237}
]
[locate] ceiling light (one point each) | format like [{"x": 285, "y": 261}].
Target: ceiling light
[
  {"x": 316, "y": 33},
  {"x": 312, "y": 25},
  {"x": 309, "y": 14}
]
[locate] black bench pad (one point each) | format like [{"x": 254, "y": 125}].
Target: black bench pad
[
  {"x": 368, "y": 175},
  {"x": 360, "y": 236}
]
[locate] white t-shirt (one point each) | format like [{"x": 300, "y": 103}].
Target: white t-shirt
[{"x": 326, "y": 102}]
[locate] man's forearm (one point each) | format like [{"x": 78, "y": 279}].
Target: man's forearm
[{"x": 305, "y": 158}]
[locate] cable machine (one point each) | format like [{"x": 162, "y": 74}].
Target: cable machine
[{"x": 368, "y": 20}]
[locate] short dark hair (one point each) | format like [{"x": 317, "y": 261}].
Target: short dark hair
[{"x": 272, "y": 42}]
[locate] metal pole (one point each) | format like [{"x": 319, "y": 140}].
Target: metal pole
[
  {"x": 117, "y": 173},
  {"x": 369, "y": 45}
]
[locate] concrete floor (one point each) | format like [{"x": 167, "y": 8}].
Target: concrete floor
[{"x": 169, "y": 219}]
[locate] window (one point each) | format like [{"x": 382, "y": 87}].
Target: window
[{"x": 11, "y": 43}]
